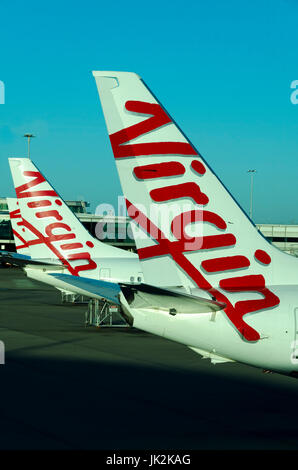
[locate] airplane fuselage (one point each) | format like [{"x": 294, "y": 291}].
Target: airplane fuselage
[
  {"x": 115, "y": 270},
  {"x": 213, "y": 333}
]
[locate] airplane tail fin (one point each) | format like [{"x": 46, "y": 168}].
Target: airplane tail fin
[
  {"x": 53, "y": 230},
  {"x": 189, "y": 230}
]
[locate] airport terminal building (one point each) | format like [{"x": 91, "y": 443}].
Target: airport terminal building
[{"x": 285, "y": 237}]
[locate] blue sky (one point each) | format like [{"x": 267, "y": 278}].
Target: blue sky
[{"x": 222, "y": 69}]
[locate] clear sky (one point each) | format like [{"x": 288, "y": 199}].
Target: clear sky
[{"x": 222, "y": 69}]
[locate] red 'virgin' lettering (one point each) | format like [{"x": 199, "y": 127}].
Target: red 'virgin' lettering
[
  {"x": 44, "y": 214},
  {"x": 51, "y": 236},
  {"x": 252, "y": 283},
  {"x": 262, "y": 257},
  {"x": 64, "y": 236},
  {"x": 159, "y": 170},
  {"x": 177, "y": 191},
  {"x": 158, "y": 119},
  {"x": 190, "y": 217},
  {"x": 234, "y": 314},
  {"x": 185, "y": 243},
  {"x": 71, "y": 246},
  {"x": 82, "y": 256},
  {"x": 198, "y": 167},
  {"x": 16, "y": 214},
  {"x": 34, "y": 204},
  {"x": 225, "y": 263},
  {"x": 21, "y": 191},
  {"x": 208, "y": 242}
]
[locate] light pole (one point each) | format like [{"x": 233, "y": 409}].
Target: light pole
[
  {"x": 29, "y": 136},
  {"x": 252, "y": 172}
]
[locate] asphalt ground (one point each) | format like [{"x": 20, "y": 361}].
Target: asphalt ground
[{"x": 65, "y": 386}]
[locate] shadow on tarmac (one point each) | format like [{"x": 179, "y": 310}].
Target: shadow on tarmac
[
  {"x": 61, "y": 404},
  {"x": 67, "y": 387}
]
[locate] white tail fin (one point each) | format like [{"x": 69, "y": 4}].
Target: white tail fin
[
  {"x": 19, "y": 231},
  {"x": 55, "y": 232},
  {"x": 204, "y": 239}
]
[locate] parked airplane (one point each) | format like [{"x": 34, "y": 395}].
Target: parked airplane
[
  {"x": 226, "y": 292},
  {"x": 253, "y": 284},
  {"x": 51, "y": 241}
]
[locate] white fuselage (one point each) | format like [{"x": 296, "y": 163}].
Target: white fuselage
[
  {"x": 215, "y": 334},
  {"x": 211, "y": 332},
  {"x": 116, "y": 270}
]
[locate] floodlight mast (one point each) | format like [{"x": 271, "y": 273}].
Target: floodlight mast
[
  {"x": 29, "y": 137},
  {"x": 252, "y": 172}
]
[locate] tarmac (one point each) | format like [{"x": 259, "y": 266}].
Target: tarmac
[{"x": 65, "y": 386}]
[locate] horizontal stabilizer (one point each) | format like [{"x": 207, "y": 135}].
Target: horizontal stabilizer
[
  {"x": 24, "y": 260},
  {"x": 140, "y": 295},
  {"x": 92, "y": 287},
  {"x": 147, "y": 296}
]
